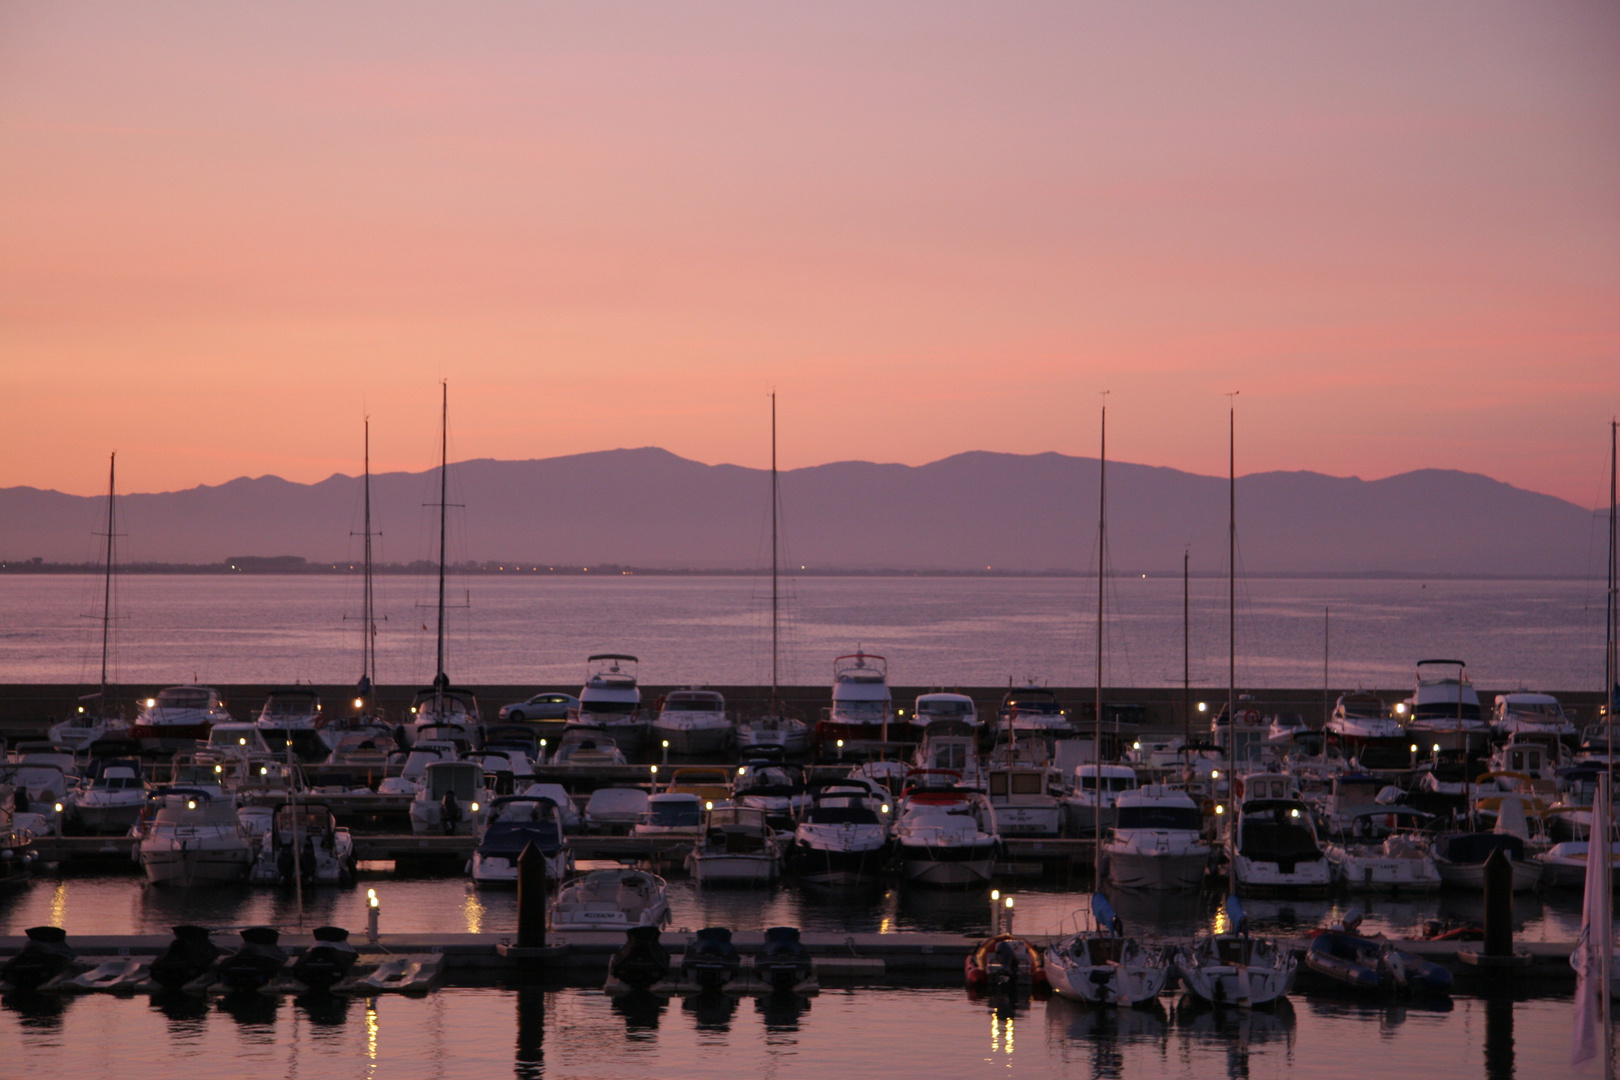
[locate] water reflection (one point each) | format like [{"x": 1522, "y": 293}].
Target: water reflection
[
  {"x": 1239, "y": 1031},
  {"x": 781, "y": 1010},
  {"x": 36, "y": 1013},
  {"x": 712, "y": 1009},
  {"x": 1107, "y": 1031},
  {"x": 324, "y": 1009},
  {"x": 1499, "y": 1037},
  {"x": 255, "y": 1012},
  {"x": 641, "y": 1011},
  {"x": 531, "y": 1033},
  {"x": 186, "y": 1012}
]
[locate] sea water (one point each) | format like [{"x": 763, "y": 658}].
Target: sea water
[{"x": 934, "y": 631}]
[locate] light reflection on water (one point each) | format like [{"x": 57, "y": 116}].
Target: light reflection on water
[
  {"x": 126, "y": 905},
  {"x": 532, "y": 1032}
]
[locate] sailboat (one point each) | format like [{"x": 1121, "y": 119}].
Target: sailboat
[
  {"x": 774, "y": 729},
  {"x": 441, "y": 706},
  {"x": 364, "y": 716},
  {"x": 94, "y": 720}
]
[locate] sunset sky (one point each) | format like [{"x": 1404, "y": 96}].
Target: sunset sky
[{"x": 229, "y": 232}]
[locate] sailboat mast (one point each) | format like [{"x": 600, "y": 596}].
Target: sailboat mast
[
  {"x": 444, "y": 470},
  {"x": 1231, "y": 589},
  {"x": 1186, "y": 647},
  {"x": 1096, "y": 729},
  {"x": 368, "y": 627},
  {"x": 106, "y": 588},
  {"x": 775, "y": 597}
]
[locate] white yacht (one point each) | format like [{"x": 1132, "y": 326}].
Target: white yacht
[
  {"x": 842, "y": 838},
  {"x": 293, "y": 715},
  {"x": 113, "y": 800},
  {"x": 693, "y": 721},
  {"x": 1524, "y": 713},
  {"x": 194, "y": 838},
  {"x": 1231, "y": 968},
  {"x": 1032, "y": 710},
  {"x": 946, "y": 837},
  {"x": 1444, "y": 708},
  {"x": 611, "y": 900},
  {"x": 1360, "y": 719},
  {"x": 1103, "y": 966},
  {"x": 587, "y": 744},
  {"x": 513, "y": 823},
  {"x": 775, "y": 729},
  {"x": 179, "y": 717},
  {"x": 1097, "y": 788},
  {"x": 861, "y": 717},
  {"x": 1157, "y": 841},
  {"x": 1272, "y": 846},
  {"x": 1384, "y": 850},
  {"x": 452, "y": 799},
  {"x": 413, "y": 767},
  {"x": 950, "y": 749},
  {"x": 611, "y": 700},
  {"x": 738, "y": 847},
  {"x": 938, "y": 708},
  {"x": 1028, "y": 799}
]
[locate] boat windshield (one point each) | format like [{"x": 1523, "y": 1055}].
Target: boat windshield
[
  {"x": 841, "y": 815},
  {"x": 1041, "y": 706},
  {"x": 183, "y": 699},
  {"x": 862, "y": 710},
  {"x": 945, "y": 709},
  {"x": 1088, "y": 782},
  {"x": 674, "y": 815},
  {"x": 1160, "y": 817},
  {"x": 694, "y": 703},
  {"x": 289, "y": 706}
]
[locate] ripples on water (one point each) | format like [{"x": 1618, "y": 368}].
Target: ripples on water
[{"x": 935, "y": 631}]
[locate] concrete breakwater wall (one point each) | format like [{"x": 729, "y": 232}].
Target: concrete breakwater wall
[{"x": 27, "y": 709}]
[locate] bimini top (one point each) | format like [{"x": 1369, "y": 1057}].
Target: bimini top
[
  {"x": 610, "y": 677},
  {"x": 858, "y": 678}
]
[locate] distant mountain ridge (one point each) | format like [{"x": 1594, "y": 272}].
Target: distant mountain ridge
[{"x": 972, "y": 511}]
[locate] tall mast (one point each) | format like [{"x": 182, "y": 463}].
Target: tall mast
[
  {"x": 106, "y": 589},
  {"x": 368, "y": 613},
  {"x": 1231, "y": 588},
  {"x": 1096, "y": 729},
  {"x": 775, "y": 601},
  {"x": 440, "y": 680},
  {"x": 1611, "y": 661},
  {"x": 1186, "y": 647}
]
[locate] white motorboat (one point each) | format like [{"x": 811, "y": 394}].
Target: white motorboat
[
  {"x": 861, "y": 718},
  {"x": 445, "y": 708},
  {"x": 947, "y": 837},
  {"x": 671, "y": 814},
  {"x": 452, "y": 800},
  {"x": 1384, "y": 850},
  {"x": 774, "y": 787},
  {"x": 1032, "y": 711},
  {"x": 842, "y": 838},
  {"x": 738, "y": 847},
  {"x": 1103, "y": 966},
  {"x": 413, "y": 768},
  {"x": 572, "y": 822},
  {"x": 514, "y": 822},
  {"x": 1157, "y": 841},
  {"x": 1028, "y": 799},
  {"x": 614, "y": 809},
  {"x": 306, "y": 843},
  {"x": 1231, "y": 968},
  {"x": 693, "y": 722},
  {"x": 1360, "y": 720},
  {"x": 1524, "y": 713},
  {"x": 113, "y": 800},
  {"x": 1272, "y": 846},
  {"x": 587, "y": 744},
  {"x": 611, "y": 700},
  {"x": 1091, "y": 801},
  {"x": 179, "y": 717},
  {"x": 1563, "y": 866},
  {"x": 942, "y": 708},
  {"x": 610, "y": 900},
  {"x": 85, "y": 728},
  {"x": 950, "y": 746},
  {"x": 234, "y": 741},
  {"x": 776, "y": 729},
  {"x": 1444, "y": 708},
  {"x": 1460, "y": 858},
  {"x": 293, "y": 715},
  {"x": 193, "y": 838}
]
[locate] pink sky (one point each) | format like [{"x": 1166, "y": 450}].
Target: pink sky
[{"x": 226, "y": 234}]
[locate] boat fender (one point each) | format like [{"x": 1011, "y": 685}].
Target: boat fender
[{"x": 1237, "y": 788}]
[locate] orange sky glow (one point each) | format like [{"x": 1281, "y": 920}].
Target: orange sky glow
[{"x": 228, "y": 233}]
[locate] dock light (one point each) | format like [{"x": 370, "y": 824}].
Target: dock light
[
  {"x": 902, "y": 712},
  {"x": 1293, "y": 813},
  {"x": 1400, "y": 708},
  {"x": 1136, "y": 745},
  {"x": 191, "y": 804},
  {"x": 1437, "y": 748},
  {"x": 1008, "y": 903},
  {"x": 475, "y": 808},
  {"x": 1220, "y": 808},
  {"x": 708, "y": 804},
  {"x": 242, "y": 741},
  {"x": 413, "y": 708},
  {"x": 371, "y": 897},
  {"x": 884, "y": 808},
  {"x": 219, "y": 768},
  {"x": 359, "y": 702},
  {"x": 372, "y": 912},
  {"x": 1214, "y": 774},
  {"x": 995, "y": 894},
  {"x": 81, "y": 708},
  {"x": 58, "y": 808},
  {"x": 995, "y": 911},
  {"x": 666, "y": 744},
  {"x": 1007, "y": 916},
  {"x": 151, "y": 703},
  {"x": 742, "y": 770},
  {"x": 264, "y": 771},
  {"x": 1413, "y": 748}
]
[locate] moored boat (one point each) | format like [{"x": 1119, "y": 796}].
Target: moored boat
[
  {"x": 1157, "y": 841},
  {"x": 611, "y": 700},
  {"x": 1230, "y": 967},
  {"x": 179, "y": 717},
  {"x": 1103, "y": 965},
  {"x": 693, "y": 721},
  {"x": 610, "y": 900}
]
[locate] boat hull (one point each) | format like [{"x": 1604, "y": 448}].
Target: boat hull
[
  {"x": 1109, "y": 984},
  {"x": 1159, "y": 871},
  {"x": 734, "y": 869},
  {"x": 198, "y": 864},
  {"x": 1471, "y": 876},
  {"x": 950, "y": 867},
  {"x": 693, "y": 740},
  {"x": 837, "y": 866}
]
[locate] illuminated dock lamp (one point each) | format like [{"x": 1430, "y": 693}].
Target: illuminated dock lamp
[
  {"x": 359, "y": 703},
  {"x": 995, "y": 912},
  {"x": 59, "y": 819},
  {"x": 1007, "y": 915},
  {"x": 708, "y": 804},
  {"x": 1414, "y": 749},
  {"x": 1203, "y": 706},
  {"x": 654, "y": 779},
  {"x": 666, "y": 751},
  {"x": 373, "y": 910},
  {"x": 840, "y": 749}
]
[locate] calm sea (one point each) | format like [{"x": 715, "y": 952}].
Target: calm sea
[{"x": 934, "y": 631}]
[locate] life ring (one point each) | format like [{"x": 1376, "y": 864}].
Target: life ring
[{"x": 1249, "y": 716}]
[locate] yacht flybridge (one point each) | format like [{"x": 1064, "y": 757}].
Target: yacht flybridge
[
  {"x": 1445, "y": 707},
  {"x": 861, "y": 719},
  {"x": 611, "y": 700}
]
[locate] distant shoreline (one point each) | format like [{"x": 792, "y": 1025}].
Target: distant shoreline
[{"x": 282, "y": 568}]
